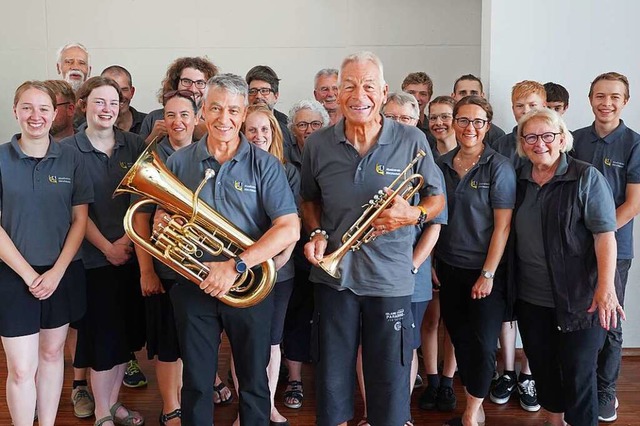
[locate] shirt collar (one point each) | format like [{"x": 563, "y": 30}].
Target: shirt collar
[
  {"x": 53, "y": 151},
  {"x": 85, "y": 145},
  {"x": 202, "y": 151},
  {"x": 560, "y": 173},
  {"x": 385, "y": 137},
  {"x": 611, "y": 137}
]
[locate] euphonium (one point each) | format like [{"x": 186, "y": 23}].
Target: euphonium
[
  {"x": 361, "y": 232},
  {"x": 193, "y": 229}
]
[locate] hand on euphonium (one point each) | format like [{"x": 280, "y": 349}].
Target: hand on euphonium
[{"x": 222, "y": 276}]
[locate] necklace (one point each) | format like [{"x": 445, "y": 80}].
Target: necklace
[{"x": 470, "y": 166}]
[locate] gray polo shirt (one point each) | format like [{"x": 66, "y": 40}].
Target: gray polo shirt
[
  {"x": 37, "y": 197},
  {"x": 617, "y": 157},
  {"x": 250, "y": 190},
  {"x": 106, "y": 173},
  {"x": 489, "y": 185},
  {"x": 334, "y": 173},
  {"x": 534, "y": 284},
  {"x": 293, "y": 178}
]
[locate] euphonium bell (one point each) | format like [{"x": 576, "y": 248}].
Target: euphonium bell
[
  {"x": 193, "y": 230},
  {"x": 361, "y": 232}
]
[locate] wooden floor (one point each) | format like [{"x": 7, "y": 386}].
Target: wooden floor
[{"x": 147, "y": 400}]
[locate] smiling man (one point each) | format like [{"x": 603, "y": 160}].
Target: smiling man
[
  {"x": 326, "y": 92},
  {"x": 343, "y": 167},
  {"x": 614, "y": 149},
  {"x": 129, "y": 119},
  {"x": 73, "y": 64},
  {"x": 250, "y": 190}
]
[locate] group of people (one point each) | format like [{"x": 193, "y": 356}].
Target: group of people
[{"x": 533, "y": 226}]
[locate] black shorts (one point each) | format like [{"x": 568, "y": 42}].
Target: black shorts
[
  {"x": 21, "y": 314},
  {"x": 102, "y": 333},
  {"x": 281, "y": 295},
  {"x": 162, "y": 337},
  {"x": 417, "y": 310}
]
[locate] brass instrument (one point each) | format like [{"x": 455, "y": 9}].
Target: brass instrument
[
  {"x": 193, "y": 229},
  {"x": 361, "y": 232}
]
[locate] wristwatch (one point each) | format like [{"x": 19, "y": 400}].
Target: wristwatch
[
  {"x": 423, "y": 216},
  {"x": 488, "y": 275},
  {"x": 414, "y": 270},
  {"x": 241, "y": 267}
]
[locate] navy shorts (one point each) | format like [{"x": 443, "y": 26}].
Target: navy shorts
[
  {"x": 281, "y": 294},
  {"x": 21, "y": 314},
  {"x": 417, "y": 310}
]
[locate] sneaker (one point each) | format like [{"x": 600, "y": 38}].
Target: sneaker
[
  {"x": 607, "y": 407},
  {"x": 528, "y": 395},
  {"x": 494, "y": 379},
  {"x": 446, "y": 400},
  {"x": 82, "y": 400},
  {"x": 418, "y": 383},
  {"x": 428, "y": 398},
  {"x": 501, "y": 392},
  {"x": 133, "y": 377}
]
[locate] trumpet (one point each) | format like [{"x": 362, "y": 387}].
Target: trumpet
[
  {"x": 193, "y": 230},
  {"x": 361, "y": 232}
]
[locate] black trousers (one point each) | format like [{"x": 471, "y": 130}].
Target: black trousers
[
  {"x": 200, "y": 319},
  {"x": 297, "y": 323},
  {"x": 564, "y": 364},
  {"x": 473, "y": 324}
]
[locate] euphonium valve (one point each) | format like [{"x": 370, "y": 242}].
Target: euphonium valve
[
  {"x": 193, "y": 230},
  {"x": 361, "y": 232}
]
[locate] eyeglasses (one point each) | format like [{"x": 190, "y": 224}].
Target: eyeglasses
[
  {"x": 187, "y": 82},
  {"x": 547, "y": 137},
  {"x": 405, "y": 119},
  {"x": 264, "y": 91},
  {"x": 181, "y": 93},
  {"x": 62, "y": 103},
  {"x": 442, "y": 117},
  {"x": 304, "y": 125},
  {"x": 478, "y": 123}
]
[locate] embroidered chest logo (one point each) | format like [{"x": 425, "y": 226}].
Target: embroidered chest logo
[
  {"x": 242, "y": 187},
  {"x": 383, "y": 170},
  {"x": 59, "y": 179},
  {"x": 380, "y": 169},
  {"x": 125, "y": 165},
  {"x": 479, "y": 185},
  {"x": 612, "y": 163}
]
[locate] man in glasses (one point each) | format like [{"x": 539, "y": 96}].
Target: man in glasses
[
  {"x": 65, "y": 109},
  {"x": 129, "y": 119},
  {"x": 343, "y": 167},
  {"x": 188, "y": 73},
  {"x": 614, "y": 149},
  {"x": 526, "y": 95},
  {"x": 325, "y": 90},
  {"x": 469, "y": 85},
  {"x": 264, "y": 86}
]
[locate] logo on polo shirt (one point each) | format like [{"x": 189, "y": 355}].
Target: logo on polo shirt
[
  {"x": 125, "y": 165},
  {"x": 383, "y": 170},
  {"x": 241, "y": 187},
  {"x": 612, "y": 163},
  {"x": 380, "y": 169},
  {"x": 59, "y": 179},
  {"x": 479, "y": 185}
]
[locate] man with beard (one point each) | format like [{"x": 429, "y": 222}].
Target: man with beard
[
  {"x": 73, "y": 64},
  {"x": 326, "y": 92},
  {"x": 129, "y": 119},
  {"x": 264, "y": 87},
  {"x": 65, "y": 108}
]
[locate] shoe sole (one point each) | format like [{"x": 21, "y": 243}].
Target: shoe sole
[
  {"x": 530, "y": 408},
  {"x": 135, "y": 385},
  {"x": 499, "y": 401},
  {"x": 608, "y": 419}
]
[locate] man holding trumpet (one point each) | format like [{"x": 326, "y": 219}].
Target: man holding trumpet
[{"x": 344, "y": 166}]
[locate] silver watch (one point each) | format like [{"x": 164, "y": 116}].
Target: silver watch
[{"x": 488, "y": 275}]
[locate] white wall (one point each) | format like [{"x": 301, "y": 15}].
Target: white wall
[
  {"x": 295, "y": 37},
  {"x": 569, "y": 42}
]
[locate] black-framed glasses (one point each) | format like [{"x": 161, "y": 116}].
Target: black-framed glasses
[
  {"x": 304, "y": 125},
  {"x": 187, "y": 82},
  {"x": 405, "y": 119},
  {"x": 478, "y": 123},
  {"x": 443, "y": 117},
  {"x": 264, "y": 91},
  {"x": 546, "y": 137}
]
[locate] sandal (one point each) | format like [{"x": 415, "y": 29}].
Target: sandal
[
  {"x": 217, "y": 394},
  {"x": 129, "y": 419},
  {"x": 175, "y": 414},
  {"x": 103, "y": 420},
  {"x": 294, "y": 391}
]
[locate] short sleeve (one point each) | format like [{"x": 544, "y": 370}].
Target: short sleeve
[
  {"x": 82, "y": 184},
  {"x": 597, "y": 201},
  {"x": 277, "y": 198},
  {"x": 433, "y": 180},
  {"x": 633, "y": 163},
  {"x": 503, "y": 184}
]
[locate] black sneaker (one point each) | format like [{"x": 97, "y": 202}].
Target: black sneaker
[
  {"x": 446, "y": 400},
  {"x": 528, "y": 395},
  {"x": 133, "y": 377},
  {"x": 418, "y": 383},
  {"x": 501, "y": 392},
  {"x": 607, "y": 407},
  {"x": 428, "y": 398}
]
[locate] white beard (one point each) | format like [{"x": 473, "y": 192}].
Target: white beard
[{"x": 75, "y": 83}]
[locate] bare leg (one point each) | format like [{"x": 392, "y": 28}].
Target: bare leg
[
  {"x": 414, "y": 370},
  {"x": 449, "y": 356},
  {"x": 508, "y": 345},
  {"x": 50, "y": 373},
  {"x": 429, "y": 335},
  {"x": 22, "y": 364},
  {"x": 473, "y": 412},
  {"x": 103, "y": 383},
  {"x": 169, "y": 376},
  {"x": 555, "y": 419},
  {"x": 273, "y": 371}
]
